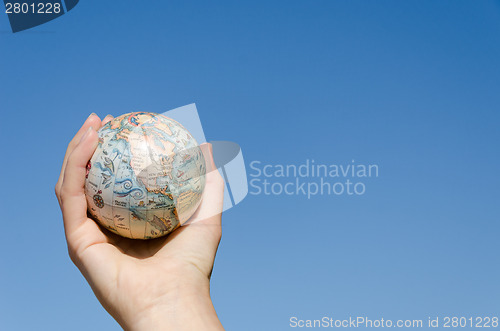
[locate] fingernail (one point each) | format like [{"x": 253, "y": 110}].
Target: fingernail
[
  {"x": 92, "y": 115},
  {"x": 86, "y": 134}
]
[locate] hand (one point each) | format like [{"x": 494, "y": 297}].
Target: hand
[{"x": 145, "y": 285}]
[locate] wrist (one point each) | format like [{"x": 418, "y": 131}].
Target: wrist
[{"x": 181, "y": 310}]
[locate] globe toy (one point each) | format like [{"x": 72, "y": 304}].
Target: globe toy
[{"x": 146, "y": 177}]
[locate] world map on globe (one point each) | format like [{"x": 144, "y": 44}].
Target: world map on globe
[{"x": 146, "y": 177}]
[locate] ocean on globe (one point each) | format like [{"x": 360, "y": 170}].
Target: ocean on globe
[{"x": 146, "y": 176}]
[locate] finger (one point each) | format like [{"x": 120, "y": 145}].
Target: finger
[
  {"x": 106, "y": 120},
  {"x": 73, "y": 201},
  {"x": 92, "y": 121},
  {"x": 195, "y": 243},
  {"x": 207, "y": 150},
  {"x": 200, "y": 237},
  {"x": 213, "y": 194}
]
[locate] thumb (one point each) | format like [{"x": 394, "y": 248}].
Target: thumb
[{"x": 73, "y": 202}]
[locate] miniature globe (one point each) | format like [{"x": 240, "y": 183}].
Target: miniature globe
[{"x": 146, "y": 176}]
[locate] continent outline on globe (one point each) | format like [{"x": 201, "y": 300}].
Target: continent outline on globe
[{"x": 146, "y": 177}]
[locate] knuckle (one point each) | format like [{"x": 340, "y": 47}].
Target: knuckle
[
  {"x": 72, "y": 144},
  {"x": 72, "y": 255},
  {"x": 63, "y": 194},
  {"x": 72, "y": 249}
]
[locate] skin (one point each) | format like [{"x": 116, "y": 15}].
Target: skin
[{"x": 159, "y": 284}]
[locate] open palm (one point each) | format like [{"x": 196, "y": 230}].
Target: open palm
[{"x": 142, "y": 283}]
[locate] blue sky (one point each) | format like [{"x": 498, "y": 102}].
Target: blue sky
[{"x": 409, "y": 85}]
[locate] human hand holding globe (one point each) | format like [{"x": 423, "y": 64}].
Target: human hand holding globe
[
  {"x": 144, "y": 284},
  {"x": 146, "y": 176}
]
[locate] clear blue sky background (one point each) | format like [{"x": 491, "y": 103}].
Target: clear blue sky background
[{"x": 413, "y": 86}]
